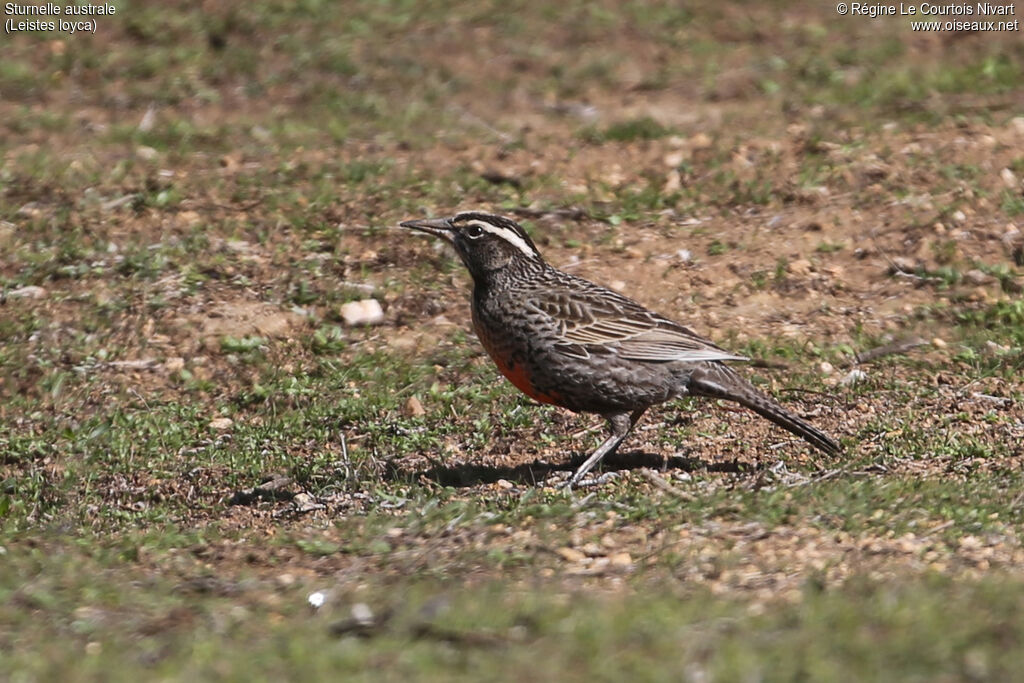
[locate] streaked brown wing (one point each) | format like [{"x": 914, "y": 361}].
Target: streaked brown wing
[{"x": 613, "y": 323}]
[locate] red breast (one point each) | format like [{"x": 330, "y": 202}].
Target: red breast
[{"x": 517, "y": 373}]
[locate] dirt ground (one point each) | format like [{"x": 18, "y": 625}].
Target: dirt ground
[
  {"x": 186, "y": 207},
  {"x": 837, "y": 259}
]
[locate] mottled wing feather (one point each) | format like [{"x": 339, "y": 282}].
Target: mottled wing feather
[
  {"x": 604, "y": 330},
  {"x": 610, "y": 322},
  {"x": 637, "y": 350}
]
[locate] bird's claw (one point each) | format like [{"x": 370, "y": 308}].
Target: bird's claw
[{"x": 580, "y": 482}]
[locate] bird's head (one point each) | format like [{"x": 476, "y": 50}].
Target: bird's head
[{"x": 486, "y": 243}]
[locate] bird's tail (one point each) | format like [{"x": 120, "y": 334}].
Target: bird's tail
[{"x": 719, "y": 381}]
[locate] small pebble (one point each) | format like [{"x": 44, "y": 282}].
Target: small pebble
[
  {"x": 854, "y": 376},
  {"x": 571, "y": 554},
  {"x": 977, "y": 277},
  {"x": 29, "y": 292},
  {"x": 700, "y": 141},
  {"x": 365, "y": 312},
  {"x": 995, "y": 346},
  {"x": 413, "y": 407},
  {"x": 175, "y": 364},
  {"x": 362, "y": 613},
  {"x": 674, "y": 159},
  {"x": 620, "y": 560},
  {"x": 673, "y": 182},
  {"x": 1009, "y": 178},
  {"x": 902, "y": 264},
  {"x": 221, "y": 423},
  {"x": 800, "y": 267}
]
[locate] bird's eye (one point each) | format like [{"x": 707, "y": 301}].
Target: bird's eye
[{"x": 474, "y": 231}]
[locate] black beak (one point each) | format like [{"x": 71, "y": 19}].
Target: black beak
[{"x": 438, "y": 227}]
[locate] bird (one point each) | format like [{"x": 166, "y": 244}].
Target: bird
[{"x": 566, "y": 341}]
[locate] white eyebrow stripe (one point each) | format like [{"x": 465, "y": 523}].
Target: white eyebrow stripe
[{"x": 509, "y": 236}]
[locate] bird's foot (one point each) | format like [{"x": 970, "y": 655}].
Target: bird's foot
[
  {"x": 579, "y": 481},
  {"x": 557, "y": 479}
]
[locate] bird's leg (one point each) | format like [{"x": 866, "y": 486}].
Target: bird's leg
[{"x": 621, "y": 424}]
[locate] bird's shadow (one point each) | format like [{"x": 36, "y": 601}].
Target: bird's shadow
[{"x": 469, "y": 474}]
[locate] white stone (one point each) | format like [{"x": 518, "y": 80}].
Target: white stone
[
  {"x": 1009, "y": 178},
  {"x": 29, "y": 292},
  {"x": 174, "y": 364},
  {"x": 977, "y": 277},
  {"x": 221, "y": 423},
  {"x": 853, "y": 377},
  {"x": 364, "y": 312}
]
